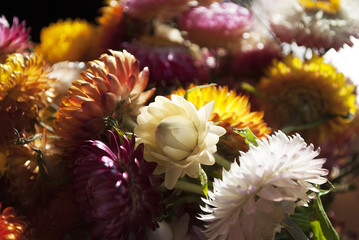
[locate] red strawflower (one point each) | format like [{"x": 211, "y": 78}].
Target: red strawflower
[{"x": 115, "y": 188}]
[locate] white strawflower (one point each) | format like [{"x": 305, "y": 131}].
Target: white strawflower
[
  {"x": 178, "y": 137},
  {"x": 253, "y": 197},
  {"x": 314, "y": 24}
]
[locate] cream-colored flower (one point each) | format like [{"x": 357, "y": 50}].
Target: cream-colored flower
[{"x": 178, "y": 137}]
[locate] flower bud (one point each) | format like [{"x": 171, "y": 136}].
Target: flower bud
[{"x": 177, "y": 136}]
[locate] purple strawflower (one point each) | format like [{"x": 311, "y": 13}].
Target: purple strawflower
[
  {"x": 115, "y": 188},
  {"x": 14, "y": 39},
  {"x": 170, "y": 63}
]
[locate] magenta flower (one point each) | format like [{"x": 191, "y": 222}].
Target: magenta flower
[
  {"x": 170, "y": 63},
  {"x": 115, "y": 188},
  {"x": 14, "y": 39},
  {"x": 218, "y": 25}
]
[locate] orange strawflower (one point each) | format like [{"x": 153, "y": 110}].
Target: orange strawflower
[
  {"x": 12, "y": 226},
  {"x": 111, "y": 87}
]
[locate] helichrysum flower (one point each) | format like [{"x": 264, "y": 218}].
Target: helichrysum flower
[
  {"x": 114, "y": 28},
  {"x": 254, "y": 196},
  {"x": 33, "y": 177},
  {"x": 310, "y": 93},
  {"x": 170, "y": 63},
  {"x": 112, "y": 86},
  {"x": 254, "y": 54},
  {"x": 230, "y": 111},
  {"x": 148, "y": 9},
  {"x": 64, "y": 73},
  {"x": 178, "y": 137},
  {"x": 314, "y": 24},
  {"x": 116, "y": 189},
  {"x": 13, "y": 226},
  {"x": 217, "y": 25},
  {"x": 67, "y": 40},
  {"x": 14, "y": 39},
  {"x": 341, "y": 150},
  {"x": 24, "y": 90}
]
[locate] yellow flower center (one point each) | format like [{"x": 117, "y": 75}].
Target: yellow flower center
[
  {"x": 328, "y": 6},
  {"x": 177, "y": 137}
]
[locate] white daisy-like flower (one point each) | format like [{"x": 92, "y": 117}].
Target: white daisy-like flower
[
  {"x": 178, "y": 137},
  {"x": 314, "y": 24},
  {"x": 254, "y": 196}
]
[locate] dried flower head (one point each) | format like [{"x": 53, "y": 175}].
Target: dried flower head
[
  {"x": 14, "y": 39},
  {"x": 112, "y": 86},
  {"x": 115, "y": 188},
  {"x": 13, "y": 226},
  {"x": 230, "y": 111},
  {"x": 314, "y": 24},
  {"x": 253, "y": 197},
  {"x": 24, "y": 90},
  {"x": 67, "y": 40},
  {"x": 34, "y": 168},
  {"x": 216, "y": 25},
  {"x": 170, "y": 63},
  {"x": 178, "y": 137},
  {"x": 310, "y": 93}
]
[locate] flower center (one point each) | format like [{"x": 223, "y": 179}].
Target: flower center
[
  {"x": 177, "y": 136},
  {"x": 328, "y": 6}
]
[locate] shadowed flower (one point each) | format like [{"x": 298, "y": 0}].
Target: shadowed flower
[
  {"x": 12, "y": 226},
  {"x": 24, "y": 90},
  {"x": 67, "y": 40},
  {"x": 33, "y": 174},
  {"x": 170, "y": 63},
  {"x": 148, "y": 9},
  {"x": 116, "y": 189},
  {"x": 112, "y": 86},
  {"x": 230, "y": 111},
  {"x": 178, "y": 137},
  {"x": 14, "y": 39},
  {"x": 310, "y": 94},
  {"x": 253, "y": 197},
  {"x": 115, "y": 28},
  {"x": 218, "y": 25},
  {"x": 314, "y": 24},
  {"x": 342, "y": 150}
]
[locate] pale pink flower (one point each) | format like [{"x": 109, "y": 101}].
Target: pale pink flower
[{"x": 216, "y": 25}]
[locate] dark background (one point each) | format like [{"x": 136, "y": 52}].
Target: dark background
[{"x": 40, "y": 13}]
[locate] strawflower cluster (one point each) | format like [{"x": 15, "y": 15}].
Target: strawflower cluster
[{"x": 178, "y": 119}]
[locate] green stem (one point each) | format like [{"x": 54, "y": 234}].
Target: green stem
[
  {"x": 253, "y": 90},
  {"x": 189, "y": 187},
  {"x": 293, "y": 229},
  {"x": 222, "y": 161}
]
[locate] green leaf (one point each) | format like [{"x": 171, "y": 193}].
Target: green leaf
[
  {"x": 249, "y": 137},
  {"x": 204, "y": 182},
  {"x": 320, "y": 223},
  {"x": 196, "y": 88}
]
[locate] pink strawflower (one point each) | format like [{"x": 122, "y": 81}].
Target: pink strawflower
[
  {"x": 14, "y": 39},
  {"x": 115, "y": 188},
  {"x": 218, "y": 25},
  {"x": 169, "y": 63}
]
